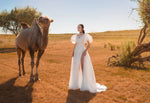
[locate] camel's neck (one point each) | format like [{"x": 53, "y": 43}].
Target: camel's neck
[
  {"x": 45, "y": 38},
  {"x": 43, "y": 35}
]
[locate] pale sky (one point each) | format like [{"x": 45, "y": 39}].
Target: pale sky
[{"x": 96, "y": 15}]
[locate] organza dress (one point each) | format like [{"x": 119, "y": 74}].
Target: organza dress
[{"x": 84, "y": 81}]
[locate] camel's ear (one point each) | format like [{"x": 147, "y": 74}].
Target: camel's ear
[{"x": 52, "y": 21}]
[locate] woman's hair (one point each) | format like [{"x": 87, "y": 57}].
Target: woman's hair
[{"x": 82, "y": 26}]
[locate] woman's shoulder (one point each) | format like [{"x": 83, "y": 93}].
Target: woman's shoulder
[
  {"x": 88, "y": 35},
  {"x": 73, "y": 38}
]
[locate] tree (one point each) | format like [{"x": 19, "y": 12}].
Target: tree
[
  {"x": 135, "y": 55},
  {"x": 10, "y": 21}
]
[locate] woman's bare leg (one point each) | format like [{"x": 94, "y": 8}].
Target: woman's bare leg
[{"x": 82, "y": 59}]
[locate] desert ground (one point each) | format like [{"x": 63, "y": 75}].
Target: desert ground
[{"x": 125, "y": 85}]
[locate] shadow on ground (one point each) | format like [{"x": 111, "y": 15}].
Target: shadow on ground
[
  {"x": 9, "y": 93},
  {"x": 7, "y": 50},
  {"x": 77, "y": 96}
]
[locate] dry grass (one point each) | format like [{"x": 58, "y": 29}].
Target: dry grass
[{"x": 125, "y": 85}]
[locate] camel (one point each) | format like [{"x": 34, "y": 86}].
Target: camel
[
  {"x": 24, "y": 25},
  {"x": 32, "y": 38}
]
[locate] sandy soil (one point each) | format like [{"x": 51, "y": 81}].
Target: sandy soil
[{"x": 125, "y": 85}]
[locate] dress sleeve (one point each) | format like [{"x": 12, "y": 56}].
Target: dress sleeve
[
  {"x": 88, "y": 38},
  {"x": 73, "y": 38}
]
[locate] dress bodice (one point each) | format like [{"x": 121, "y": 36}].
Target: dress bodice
[{"x": 82, "y": 39}]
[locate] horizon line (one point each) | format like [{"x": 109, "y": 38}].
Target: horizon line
[{"x": 86, "y": 32}]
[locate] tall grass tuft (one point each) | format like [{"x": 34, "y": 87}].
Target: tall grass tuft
[
  {"x": 125, "y": 57},
  {"x": 112, "y": 47}
]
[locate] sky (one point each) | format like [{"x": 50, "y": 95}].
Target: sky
[{"x": 96, "y": 15}]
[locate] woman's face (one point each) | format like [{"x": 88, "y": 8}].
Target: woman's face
[{"x": 79, "y": 28}]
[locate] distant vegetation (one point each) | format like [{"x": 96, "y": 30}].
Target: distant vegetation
[{"x": 10, "y": 21}]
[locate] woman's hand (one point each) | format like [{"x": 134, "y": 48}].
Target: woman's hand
[
  {"x": 88, "y": 45},
  {"x": 72, "y": 54},
  {"x": 84, "y": 53}
]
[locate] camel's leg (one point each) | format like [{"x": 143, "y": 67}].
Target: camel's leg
[
  {"x": 19, "y": 55},
  {"x": 22, "y": 59},
  {"x": 32, "y": 64},
  {"x": 40, "y": 53}
]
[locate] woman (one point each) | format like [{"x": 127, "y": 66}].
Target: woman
[{"x": 82, "y": 74}]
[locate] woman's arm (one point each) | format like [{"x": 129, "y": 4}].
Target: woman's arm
[
  {"x": 88, "y": 45},
  {"x": 73, "y": 49},
  {"x": 84, "y": 54}
]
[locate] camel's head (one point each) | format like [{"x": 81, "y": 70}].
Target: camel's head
[{"x": 45, "y": 21}]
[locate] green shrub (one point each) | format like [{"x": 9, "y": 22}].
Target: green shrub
[{"x": 125, "y": 58}]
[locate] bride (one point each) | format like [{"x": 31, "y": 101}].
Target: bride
[{"x": 82, "y": 74}]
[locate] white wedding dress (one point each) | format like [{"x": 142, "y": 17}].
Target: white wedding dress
[{"x": 84, "y": 81}]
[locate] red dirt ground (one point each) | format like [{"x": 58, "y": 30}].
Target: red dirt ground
[{"x": 125, "y": 85}]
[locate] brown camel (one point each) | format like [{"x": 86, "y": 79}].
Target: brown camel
[
  {"x": 34, "y": 39},
  {"x": 24, "y": 25}
]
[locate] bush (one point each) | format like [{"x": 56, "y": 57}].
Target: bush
[
  {"x": 125, "y": 58},
  {"x": 112, "y": 47}
]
